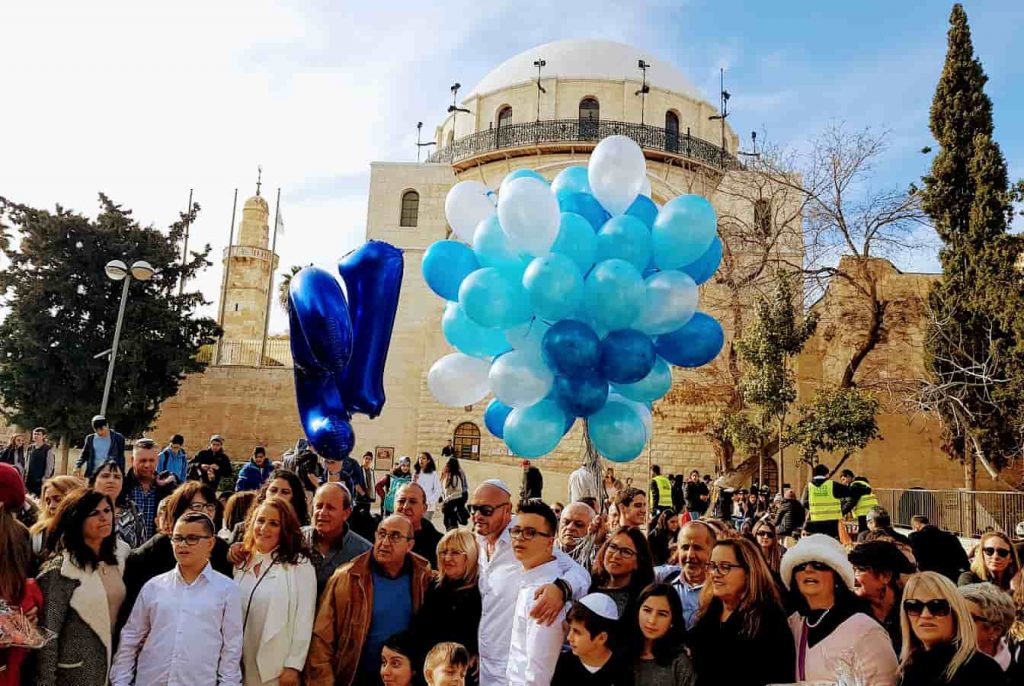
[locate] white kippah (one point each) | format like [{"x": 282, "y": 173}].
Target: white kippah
[
  {"x": 602, "y": 605},
  {"x": 499, "y": 484}
]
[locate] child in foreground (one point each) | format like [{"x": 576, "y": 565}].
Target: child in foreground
[
  {"x": 595, "y": 659},
  {"x": 446, "y": 665}
]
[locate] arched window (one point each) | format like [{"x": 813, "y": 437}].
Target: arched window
[
  {"x": 504, "y": 120},
  {"x": 590, "y": 115},
  {"x": 466, "y": 441},
  {"x": 671, "y": 131},
  {"x": 763, "y": 217},
  {"x": 410, "y": 208}
]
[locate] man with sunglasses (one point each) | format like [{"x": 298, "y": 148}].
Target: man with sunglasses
[
  {"x": 186, "y": 626},
  {"x": 500, "y": 579}
]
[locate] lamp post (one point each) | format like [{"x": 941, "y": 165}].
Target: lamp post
[{"x": 117, "y": 270}]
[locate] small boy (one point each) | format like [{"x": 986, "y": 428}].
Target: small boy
[
  {"x": 595, "y": 659},
  {"x": 446, "y": 665}
]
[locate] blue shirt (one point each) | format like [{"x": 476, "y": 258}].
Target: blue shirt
[
  {"x": 101, "y": 450},
  {"x": 174, "y": 462},
  {"x": 392, "y": 613}
]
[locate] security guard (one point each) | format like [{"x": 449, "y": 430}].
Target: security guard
[
  {"x": 661, "y": 492},
  {"x": 822, "y": 499},
  {"x": 861, "y": 500}
]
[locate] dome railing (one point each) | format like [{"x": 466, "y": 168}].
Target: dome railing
[{"x": 586, "y": 132}]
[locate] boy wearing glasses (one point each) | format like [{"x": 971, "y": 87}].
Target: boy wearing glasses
[{"x": 186, "y": 626}]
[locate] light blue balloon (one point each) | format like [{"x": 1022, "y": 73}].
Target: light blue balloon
[
  {"x": 613, "y": 294},
  {"x": 576, "y": 240},
  {"x": 707, "y": 264},
  {"x": 519, "y": 174},
  {"x": 651, "y": 387},
  {"x": 469, "y": 337},
  {"x": 695, "y": 344},
  {"x": 494, "y": 417},
  {"x": 535, "y": 430},
  {"x": 625, "y": 238},
  {"x": 670, "y": 301},
  {"x": 683, "y": 231},
  {"x": 585, "y": 205},
  {"x": 446, "y": 264},
  {"x": 617, "y": 431},
  {"x": 644, "y": 209},
  {"x": 493, "y": 249},
  {"x": 494, "y": 300},
  {"x": 555, "y": 286},
  {"x": 571, "y": 180}
]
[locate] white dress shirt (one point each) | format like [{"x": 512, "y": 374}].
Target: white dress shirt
[
  {"x": 534, "y": 647},
  {"x": 182, "y": 634},
  {"x": 582, "y": 485},
  {"x": 500, "y": 581}
]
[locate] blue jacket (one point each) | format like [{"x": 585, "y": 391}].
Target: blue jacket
[
  {"x": 88, "y": 452},
  {"x": 252, "y": 477},
  {"x": 175, "y": 463}
]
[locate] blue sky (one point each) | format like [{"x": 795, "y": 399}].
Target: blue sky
[{"x": 145, "y": 102}]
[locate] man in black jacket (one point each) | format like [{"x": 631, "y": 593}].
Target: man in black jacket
[
  {"x": 696, "y": 495},
  {"x": 936, "y": 550},
  {"x": 791, "y": 514},
  {"x": 211, "y": 464}
]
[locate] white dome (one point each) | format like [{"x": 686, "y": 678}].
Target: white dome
[{"x": 586, "y": 59}]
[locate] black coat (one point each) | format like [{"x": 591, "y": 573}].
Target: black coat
[
  {"x": 425, "y": 541},
  {"x": 448, "y": 614},
  {"x": 939, "y": 551},
  {"x": 926, "y": 668},
  {"x": 791, "y": 516},
  {"x": 767, "y": 658}
]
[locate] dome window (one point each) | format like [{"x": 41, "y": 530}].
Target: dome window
[
  {"x": 671, "y": 131},
  {"x": 504, "y": 121},
  {"x": 410, "y": 208},
  {"x": 590, "y": 115}
]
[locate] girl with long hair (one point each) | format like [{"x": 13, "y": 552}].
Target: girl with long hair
[
  {"x": 54, "y": 491},
  {"x": 767, "y": 538},
  {"x": 657, "y": 630},
  {"x": 429, "y": 480},
  {"x": 662, "y": 535},
  {"x": 623, "y": 568},
  {"x": 456, "y": 490},
  {"x": 995, "y": 561}
]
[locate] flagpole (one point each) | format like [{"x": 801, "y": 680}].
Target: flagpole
[
  {"x": 270, "y": 284},
  {"x": 184, "y": 249},
  {"x": 227, "y": 273}
]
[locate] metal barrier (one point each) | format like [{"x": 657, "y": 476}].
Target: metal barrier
[{"x": 965, "y": 513}]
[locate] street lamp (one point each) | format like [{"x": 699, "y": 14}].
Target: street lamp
[{"x": 117, "y": 270}]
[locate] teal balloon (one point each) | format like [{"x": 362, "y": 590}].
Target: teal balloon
[
  {"x": 644, "y": 209},
  {"x": 519, "y": 174},
  {"x": 617, "y": 432},
  {"x": 446, "y": 264},
  {"x": 581, "y": 396},
  {"x": 571, "y": 348},
  {"x": 494, "y": 417},
  {"x": 683, "y": 231},
  {"x": 576, "y": 240},
  {"x": 494, "y": 300},
  {"x": 695, "y": 344},
  {"x": 585, "y": 205},
  {"x": 468, "y": 337},
  {"x": 613, "y": 294},
  {"x": 493, "y": 249},
  {"x": 650, "y": 388},
  {"x": 535, "y": 430},
  {"x": 571, "y": 180},
  {"x": 625, "y": 238},
  {"x": 707, "y": 264},
  {"x": 555, "y": 286},
  {"x": 627, "y": 356}
]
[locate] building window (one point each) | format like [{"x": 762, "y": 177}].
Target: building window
[
  {"x": 410, "y": 208},
  {"x": 504, "y": 120},
  {"x": 671, "y": 131},
  {"x": 466, "y": 441},
  {"x": 763, "y": 217},
  {"x": 590, "y": 115}
]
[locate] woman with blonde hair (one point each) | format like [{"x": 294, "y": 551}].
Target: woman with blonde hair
[
  {"x": 940, "y": 638},
  {"x": 54, "y": 490},
  {"x": 995, "y": 561},
  {"x": 741, "y": 614}
]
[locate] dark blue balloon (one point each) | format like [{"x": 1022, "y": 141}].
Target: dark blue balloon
[
  {"x": 707, "y": 264},
  {"x": 586, "y": 205},
  {"x": 627, "y": 356},
  {"x": 644, "y": 209},
  {"x": 571, "y": 348},
  {"x": 581, "y": 396},
  {"x": 698, "y": 342},
  {"x": 318, "y": 303},
  {"x": 494, "y": 417}
]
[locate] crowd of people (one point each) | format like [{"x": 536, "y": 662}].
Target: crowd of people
[{"x": 146, "y": 573}]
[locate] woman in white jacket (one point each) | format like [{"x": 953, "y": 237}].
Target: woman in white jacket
[
  {"x": 278, "y": 591},
  {"x": 430, "y": 481}
]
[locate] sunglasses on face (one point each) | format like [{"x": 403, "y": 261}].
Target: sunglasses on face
[
  {"x": 1001, "y": 553},
  {"x": 485, "y": 510},
  {"x": 812, "y": 565},
  {"x": 936, "y": 607},
  {"x": 765, "y": 533}
]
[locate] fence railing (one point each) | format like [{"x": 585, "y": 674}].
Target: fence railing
[
  {"x": 965, "y": 513},
  {"x": 246, "y": 353}
]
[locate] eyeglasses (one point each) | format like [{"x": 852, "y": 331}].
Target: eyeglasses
[
  {"x": 813, "y": 564},
  {"x": 723, "y": 568},
  {"x": 486, "y": 510},
  {"x": 764, "y": 533},
  {"x": 393, "y": 536},
  {"x": 1001, "y": 553},
  {"x": 190, "y": 540},
  {"x": 527, "y": 533},
  {"x": 451, "y": 553},
  {"x": 626, "y": 553},
  {"x": 936, "y": 607},
  {"x": 202, "y": 507}
]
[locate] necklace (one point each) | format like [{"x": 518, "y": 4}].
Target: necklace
[{"x": 819, "y": 620}]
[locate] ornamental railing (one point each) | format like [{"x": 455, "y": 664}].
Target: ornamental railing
[
  {"x": 586, "y": 132},
  {"x": 966, "y": 513}
]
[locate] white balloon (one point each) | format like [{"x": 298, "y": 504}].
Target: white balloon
[
  {"x": 617, "y": 170},
  {"x": 529, "y": 215},
  {"x": 646, "y": 189},
  {"x": 520, "y": 378},
  {"x": 670, "y": 299},
  {"x": 468, "y": 203},
  {"x": 458, "y": 380}
]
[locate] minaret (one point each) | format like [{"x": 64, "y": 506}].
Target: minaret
[{"x": 245, "y": 295}]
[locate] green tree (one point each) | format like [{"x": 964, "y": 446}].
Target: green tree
[
  {"x": 286, "y": 282},
  {"x": 62, "y": 310},
  {"x": 975, "y": 343},
  {"x": 838, "y": 421}
]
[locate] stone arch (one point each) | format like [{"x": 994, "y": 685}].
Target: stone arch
[
  {"x": 466, "y": 441},
  {"x": 409, "y": 210}
]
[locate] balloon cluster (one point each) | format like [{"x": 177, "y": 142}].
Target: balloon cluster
[{"x": 571, "y": 300}]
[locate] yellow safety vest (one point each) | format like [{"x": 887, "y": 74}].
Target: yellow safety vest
[
  {"x": 664, "y": 492},
  {"x": 866, "y": 502},
  {"x": 824, "y": 507}
]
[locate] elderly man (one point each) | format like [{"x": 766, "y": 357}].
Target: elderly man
[
  {"x": 501, "y": 578},
  {"x": 367, "y": 600},
  {"x": 574, "y": 536},
  {"x": 331, "y": 543},
  {"x": 994, "y": 612},
  {"x": 693, "y": 552},
  {"x": 791, "y": 514},
  {"x": 411, "y": 503},
  {"x": 880, "y": 524}
]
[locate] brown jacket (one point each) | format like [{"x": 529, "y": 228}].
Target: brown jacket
[{"x": 343, "y": 620}]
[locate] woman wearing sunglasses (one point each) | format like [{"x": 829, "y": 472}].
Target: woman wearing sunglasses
[
  {"x": 834, "y": 637},
  {"x": 940, "y": 638},
  {"x": 622, "y": 568},
  {"x": 994, "y": 561},
  {"x": 767, "y": 539}
]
